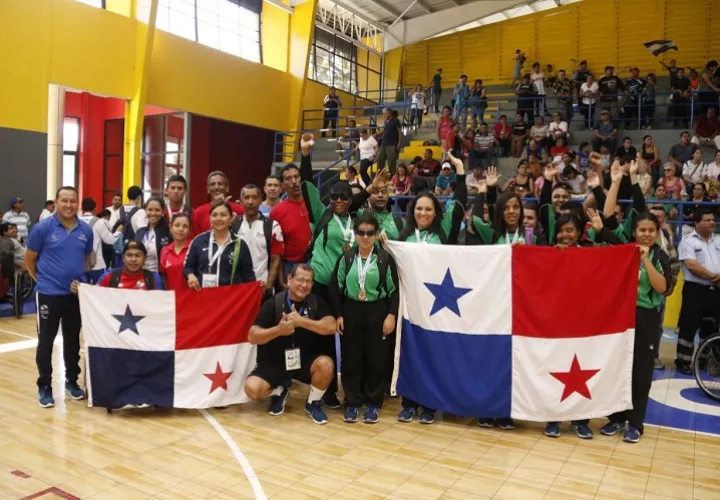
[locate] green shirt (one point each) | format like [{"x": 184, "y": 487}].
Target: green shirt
[
  {"x": 437, "y": 81},
  {"x": 647, "y": 297},
  {"x": 350, "y": 286},
  {"x": 445, "y": 224},
  {"x": 326, "y": 254},
  {"x": 387, "y": 223}
]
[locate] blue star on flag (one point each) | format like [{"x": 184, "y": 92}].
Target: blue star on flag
[
  {"x": 128, "y": 321},
  {"x": 446, "y": 295}
]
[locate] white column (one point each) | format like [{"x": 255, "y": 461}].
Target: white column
[{"x": 56, "y": 115}]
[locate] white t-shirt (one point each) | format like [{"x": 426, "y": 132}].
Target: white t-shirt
[
  {"x": 114, "y": 214},
  {"x": 45, "y": 214},
  {"x": 367, "y": 147},
  {"x": 562, "y": 126},
  {"x": 152, "y": 260},
  {"x": 584, "y": 88},
  {"x": 18, "y": 251},
  {"x": 21, "y": 220},
  {"x": 417, "y": 100},
  {"x": 712, "y": 170},
  {"x": 696, "y": 172},
  {"x": 539, "y": 80},
  {"x": 101, "y": 234},
  {"x": 254, "y": 237}
]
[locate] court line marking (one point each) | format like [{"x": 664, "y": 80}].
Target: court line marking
[
  {"x": 17, "y": 334},
  {"x": 239, "y": 456}
]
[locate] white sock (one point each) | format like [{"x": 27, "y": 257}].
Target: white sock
[
  {"x": 315, "y": 394},
  {"x": 277, "y": 391}
]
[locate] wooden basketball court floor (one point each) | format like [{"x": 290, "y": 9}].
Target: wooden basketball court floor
[{"x": 72, "y": 451}]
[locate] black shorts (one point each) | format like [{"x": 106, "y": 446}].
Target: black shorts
[{"x": 276, "y": 375}]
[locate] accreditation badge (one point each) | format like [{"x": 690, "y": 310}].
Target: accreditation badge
[
  {"x": 292, "y": 359},
  {"x": 209, "y": 280}
]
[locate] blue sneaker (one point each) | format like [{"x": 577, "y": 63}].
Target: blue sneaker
[
  {"x": 74, "y": 391},
  {"x": 427, "y": 417},
  {"x": 330, "y": 400},
  {"x": 632, "y": 435},
  {"x": 552, "y": 429},
  {"x": 45, "y": 397},
  {"x": 406, "y": 414},
  {"x": 486, "y": 423},
  {"x": 277, "y": 403},
  {"x": 316, "y": 413},
  {"x": 351, "y": 415},
  {"x": 505, "y": 424},
  {"x": 371, "y": 415},
  {"x": 581, "y": 430},
  {"x": 612, "y": 428}
]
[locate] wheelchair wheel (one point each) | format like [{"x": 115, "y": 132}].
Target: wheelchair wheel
[
  {"x": 707, "y": 367},
  {"x": 22, "y": 289}
]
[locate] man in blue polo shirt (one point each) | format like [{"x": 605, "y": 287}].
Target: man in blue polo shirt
[{"x": 59, "y": 251}]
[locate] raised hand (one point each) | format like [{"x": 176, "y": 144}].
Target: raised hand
[
  {"x": 492, "y": 177},
  {"x": 482, "y": 187},
  {"x": 306, "y": 143},
  {"x": 457, "y": 163},
  {"x": 634, "y": 165},
  {"x": 616, "y": 173},
  {"x": 551, "y": 172},
  {"x": 595, "y": 158},
  {"x": 380, "y": 181},
  {"x": 595, "y": 219},
  {"x": 593, "y": 180}
]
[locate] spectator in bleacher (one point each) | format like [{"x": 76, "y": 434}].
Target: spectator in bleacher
[
  {"x": 429, "y": 166},
  {"x": 610, "y": 88},
  {"x": 582, "y": 158},
  {"x": 391, "y": 141},
  {"x": 368, "y": 148},
  {"x": 453, "y": 141},
  {"x": 559, "y": 148},
  {"x": 537, "y": 77},
  {"x": 644, "y": 179},
  {"x": 635, "y": 86},
  {"x": 18, "y": 216},
  {"x": 706, "y": 130},
  {"x": 482, "y": 153},
  {"x": 468, "y": 143},
  {"x": 605, "y": 132},
  {"x": 679, "y": 109},
  {"x": 445, "y": 124},
  {"x": 550, "y": 75},
  {"x": 712, "y": 172},
  {"x": 581, "y": 74},
  {"x": 573, "y": 178},
  {"x": 648, "y": 101},
  {"x": 517, "y": 71},
  {"x": 461, "y": 96},
  {"x": 478, "y": 101},
  {"x": 674, "y": 186},
  {"x": 475, "y": 180},
  {"x": 417, "y": 105},
  {"x": 625, "y": 150},
  {"x": 710, "y": 87},
  {"x": 332, "y": 104},
  {"x": 541, "y": 132},
  {"x": 520, "y": 134},
  {"x": 672, "y": 69},
  {"x": 564, "y": 90},
  {"x": 534, "y": 152},
  {"x": 526, "y": 94},
  {"x": 699, "y": 195},
  {"x": 348, "y": 142},
  {"x": 558, "y": 128},
  {"x": 651, "y": 154},
  {"x": 520, "y": 179},
  {"x": 588, "y": 99},
  {"x": 660, "y": 195},
  {"x": 694, "y": 170},
  {"x": 351, "y": 175},
  {"x": 401, "y": 182},
  {"x": 437, "y": 89},
  {"x": 503, "y": 133},
  {"x": 475, "y": 126},
  {"x": 446, "y": 181},
  {"x": 682, "y": 152}
]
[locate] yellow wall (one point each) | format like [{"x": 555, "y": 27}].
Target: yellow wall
[
  {"x": 274, "y": 31},
  {"x": 72, "y": 44},
  {"x": 392, "y": 73},
  {"x": 605, "y": 32}
]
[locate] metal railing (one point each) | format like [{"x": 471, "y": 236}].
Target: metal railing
[{"x": 316, "y": 119}]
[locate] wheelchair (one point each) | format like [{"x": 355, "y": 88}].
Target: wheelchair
[
  {"x": 20, "y": 286},
  {"x": 706, "y": 365}
]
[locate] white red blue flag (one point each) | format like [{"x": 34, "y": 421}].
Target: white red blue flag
[
  {"x": 530, "y": 332},
  {"x": 182, "y": 349}
]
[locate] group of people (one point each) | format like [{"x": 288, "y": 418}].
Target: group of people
[{"x": 328, "y": 278}]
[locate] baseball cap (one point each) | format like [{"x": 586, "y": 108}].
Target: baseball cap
[
  {"x": 447, "y": 165},
  {"x": 14, "y": 201}
]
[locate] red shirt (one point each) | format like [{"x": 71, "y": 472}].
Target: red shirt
[
  {"x": 171, "y": 266},
  {"x": 127, "y": 281},
  {"x": 498, "y": 128},
  {"x": 201, "y": 217},
  {"x": 294, "y": 221}
]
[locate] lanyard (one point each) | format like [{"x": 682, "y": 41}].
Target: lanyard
[
  {"x": 212, "y": 258},
  {"x": 347, "y": 231},
  {"x": 363, "y": 270},
  {"x": 171, "y": 213},
  {"x": 289, "y": 305},
  {"x": 149, "y": 236},
  {"x": 421, "y": 239},
  {"x": 516, "y": 237}
]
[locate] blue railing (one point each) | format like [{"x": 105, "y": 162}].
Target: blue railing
[{"x": 314, "y": 119}]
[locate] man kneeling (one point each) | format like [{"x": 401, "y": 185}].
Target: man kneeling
[{"x": 287, "y": 329}]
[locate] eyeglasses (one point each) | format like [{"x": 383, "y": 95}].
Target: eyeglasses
[
  {"x": 338, "y": 196},
  {"x": 369, "y": 234}
]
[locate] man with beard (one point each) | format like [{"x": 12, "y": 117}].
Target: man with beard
[{"x": 218, "y": 188}]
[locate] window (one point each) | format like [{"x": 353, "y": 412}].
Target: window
[
  {"x": 100, "y": 4},
  {"x": 71, "y": 150},
  {"x": 162, "y": 151},
  {"x": 232, "y": 26}
]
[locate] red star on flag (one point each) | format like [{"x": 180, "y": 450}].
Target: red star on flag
[
  {"x": 575, "y": 380},
  {"x": 219, "y": 378}
]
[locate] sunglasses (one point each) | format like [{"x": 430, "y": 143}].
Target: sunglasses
[
  {"x": 338, "y": 196},
  {"x": 369, "y": 234}
]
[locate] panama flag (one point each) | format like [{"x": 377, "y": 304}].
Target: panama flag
[
  {"x": 535, "y": 333},
  {"x": 182, "y": 349}
]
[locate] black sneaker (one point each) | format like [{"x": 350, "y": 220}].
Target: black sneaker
[
  {"x": 277, "y": 403},
  {"x": 486, "y": 423},
  {"x": 683, "y": 367},
  {"x": 427, "y": 417},
  {"x": 505, "y": 424},
  {"x": 331, "y": 401},
  {"x": 73, "y": 390},
  {"x": 45, "y": 397}
]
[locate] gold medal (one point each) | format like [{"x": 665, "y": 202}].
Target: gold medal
[{"x": 362, "y": 296}]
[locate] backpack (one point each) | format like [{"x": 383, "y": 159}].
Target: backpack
[
  {"x": 128, "y": 233},
  {"x": 267, "y": 231},
  {"x": 116, "y": 274},
  {"x": 279, "y": 298},
  {"x": 383, "y": 261}
]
